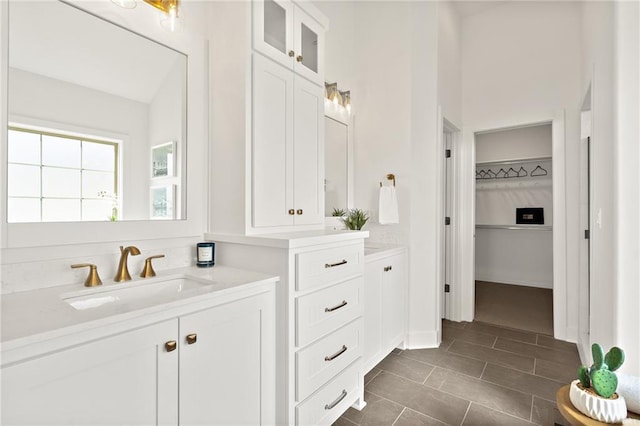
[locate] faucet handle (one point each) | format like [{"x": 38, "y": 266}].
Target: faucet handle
[
  {"x": 148, "y": 271},
  {"x": 93, "y": 279}
]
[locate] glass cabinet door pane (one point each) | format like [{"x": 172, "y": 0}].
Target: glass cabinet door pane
[
  {"x": 309, "y": 48},
  {"x": 275, "y": 25}
]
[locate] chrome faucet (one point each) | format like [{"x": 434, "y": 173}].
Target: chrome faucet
[{"x": 122, "y": 274}]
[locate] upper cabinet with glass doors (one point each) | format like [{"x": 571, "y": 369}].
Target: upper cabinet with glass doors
[{"x": 294, "y": 37}]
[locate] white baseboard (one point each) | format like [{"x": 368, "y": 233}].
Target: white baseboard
[
  {"x": 422, "y": 340},
  {"x": 506, "y": 280}
]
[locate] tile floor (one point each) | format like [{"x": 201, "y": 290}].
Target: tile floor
[{"x": 480, "y": 375}]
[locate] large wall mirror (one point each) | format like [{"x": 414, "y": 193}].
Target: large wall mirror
[
  {"x": 94, "y": 124},
  {"x": 338, "y": 136},
  {"x": 96, "y": 120}
]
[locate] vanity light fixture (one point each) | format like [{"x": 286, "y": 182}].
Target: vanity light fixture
[
  {"x": 168, "y": 7},
  {"x": 336, "y": 98}
]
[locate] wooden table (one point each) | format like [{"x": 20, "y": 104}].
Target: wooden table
[{"x": 575, "y": 417}]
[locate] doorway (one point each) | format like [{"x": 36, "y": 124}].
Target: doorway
[
  {"x": 584, "y": 328},
  {"x": 514, "y": 227}
]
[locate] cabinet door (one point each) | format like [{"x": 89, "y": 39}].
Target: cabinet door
[
  {"x": 308, "y": 47},
  {"x": 272, "y": 148},
  {"x": 128, "y": 379},
  {"x": 308, "y": 153},
  {"x": 273, "y": 30},
  {"x": 372, "y": 314},
  {"x": 227, "y": 375},
  {"x": 393, "y": 305}
]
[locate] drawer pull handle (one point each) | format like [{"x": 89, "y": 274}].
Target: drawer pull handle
[
  {"x": 388, "y": 268},
  {"x": 335, "y": 308},
  {"x": 170, "y": 346},
  {"x": 337, "y": 354},
  {"x": 342, "y": 396},
  {"x": 331, "y": 265}
]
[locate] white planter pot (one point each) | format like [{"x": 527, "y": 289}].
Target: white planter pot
[{"x": 604, "y": 410}]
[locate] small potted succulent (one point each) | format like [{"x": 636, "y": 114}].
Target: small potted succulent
[
  {"x": 338, "y": 212},
  {"x": 594, "y": 394},
  {"x": 355, "y": 219}
]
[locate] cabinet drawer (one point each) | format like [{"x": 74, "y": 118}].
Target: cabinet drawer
[
  {"x": 326, "y": 405},
  {"x": 324, "y": 267},
  {"x": 318, "y": 363},
  {"x": 323, "y": 311}
]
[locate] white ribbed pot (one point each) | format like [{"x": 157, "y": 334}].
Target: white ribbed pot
[{"x": 601, "y": 409}]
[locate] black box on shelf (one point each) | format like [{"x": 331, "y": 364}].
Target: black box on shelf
[{"x": 530, "y": 216}]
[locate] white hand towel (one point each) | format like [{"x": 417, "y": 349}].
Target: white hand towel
[
  {"x": 388, "y": 206},
  {"x": 629, "y": 388}
]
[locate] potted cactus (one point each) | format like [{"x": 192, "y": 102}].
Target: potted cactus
[{"x": 594, "y": 394}]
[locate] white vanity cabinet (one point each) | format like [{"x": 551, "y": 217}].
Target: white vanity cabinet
[
  {"x": 288, "y": 147},
  {"x": 289, "y": 35},
  {"x": 385, "y": 313},
  {"x": 319, "y": 317},
  {"x": 213, "y": 366},
  {"x": 267, "y": 142}
]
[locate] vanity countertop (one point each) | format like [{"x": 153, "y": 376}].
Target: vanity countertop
[
  {"x": 41, "y": 315},
  {"x": 290, "y": 240},
  {"x": 374, "y": 251}
]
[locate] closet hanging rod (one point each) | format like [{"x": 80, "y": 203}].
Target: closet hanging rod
[{"x": 511, "y": 162}]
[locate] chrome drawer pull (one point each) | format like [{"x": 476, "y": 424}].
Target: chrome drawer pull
[
  {"x": 337, "y": 354},
  {"x": 342, "y": 396},
  {"x": 335, "y": 308},
  {"x": 331, "y": 265}
]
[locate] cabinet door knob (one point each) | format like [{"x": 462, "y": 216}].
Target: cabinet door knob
[
  {"x": 192, "y": 338},
  {"x": 299, "y": 58},
  {"x": 292, "y": 53},
  {"x": 170, "y": 346},
  {"x": 292, "y": 212},
  {"x": 299, "y": 211},
  {"x": 388, "y": 268}
]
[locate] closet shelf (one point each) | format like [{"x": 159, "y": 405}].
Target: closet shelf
[
  {"x": 517, "y": 227},
  {"x": 511, "y": 162}
]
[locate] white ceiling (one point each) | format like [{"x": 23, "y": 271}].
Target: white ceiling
[
  {"x": 472, "y": 7},
  {"x": 61, "y": 42}
]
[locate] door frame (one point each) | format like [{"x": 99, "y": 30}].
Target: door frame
[{"x": 463, "y": 301}]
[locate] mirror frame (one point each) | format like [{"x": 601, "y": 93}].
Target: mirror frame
[
  {"x": 347, "y": 119},
  {"x": 143, "y": 22}
]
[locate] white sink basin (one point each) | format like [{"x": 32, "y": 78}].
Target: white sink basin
[{"x": 132, "y": 292}]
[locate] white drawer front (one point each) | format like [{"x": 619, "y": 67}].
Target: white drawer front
[
  {"x": 325, "y": 267},
  {"x": 326, "y": 405},
  {"x": 318, "y": 363},
  {"x": 321, "y": 312}
]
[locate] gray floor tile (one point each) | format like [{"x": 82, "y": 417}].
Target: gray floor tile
[
  {"x": 371, "y": 374},
  {"x": 378, "y": 411},
  {"x": 521, "y": 336},
  {"x": 413, "y": 418},
  {"x": 470, "y": 336},
  {"x": 437, "y": 377},
  {"x": 343, "y": 422},
  {"x": 488, "y": 394},
  {"x": 423, "y": 399},
  {"x": 461, "y": 324},
  {"x": 523, "y": 382},
  {"x": 444, "y": 359},
  {"x": 507, "y": 359},
  {"x": 405, "y": 367},
  {"x": 540, "y": 352},
  {"x": 560, "y": 345},
  {"x": 546, "y": 413},
  {"x": 560, "y": 372},
  {"x": 479, "y": 415}
]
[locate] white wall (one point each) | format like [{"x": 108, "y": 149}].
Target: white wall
[
  {"x": 40, "y": 98},
  {"x": 514, "y": 144},
  {"x": 521, "y": 64},
  {"x": 627, "y": 107},
  {"x": 386, "y": 53},
  {"x": 449, "y": 63}
]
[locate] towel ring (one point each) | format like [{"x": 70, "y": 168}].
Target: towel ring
[{"x": 392, "y": 177}]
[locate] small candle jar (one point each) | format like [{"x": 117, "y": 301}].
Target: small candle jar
[{"x": 205, "y": 254}]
